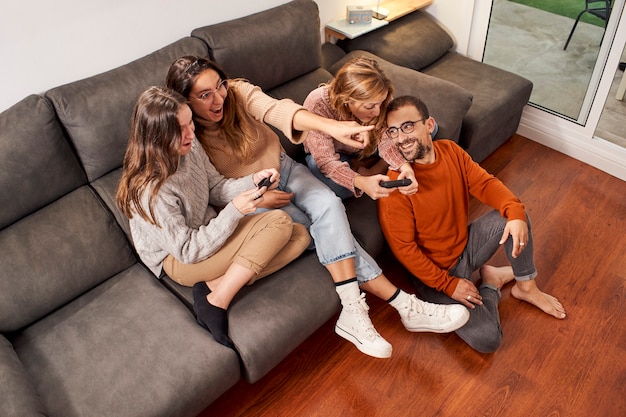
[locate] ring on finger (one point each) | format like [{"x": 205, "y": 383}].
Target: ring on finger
[
  {"x": 468, "y": 297},
  {"x": 521, "y": 243}
]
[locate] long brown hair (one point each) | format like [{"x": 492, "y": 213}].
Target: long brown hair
[
  {"x": 182, "y": 76},
  {"x": 361, "y": 79},
  {"x": 152, "y": 151}
]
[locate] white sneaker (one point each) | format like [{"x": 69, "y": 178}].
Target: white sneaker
[
  {"x": 420, "y": 316},
  {"x": 354, "y": 325}
]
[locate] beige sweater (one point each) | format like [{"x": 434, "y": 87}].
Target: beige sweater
[{"x": 266, "y": 148}]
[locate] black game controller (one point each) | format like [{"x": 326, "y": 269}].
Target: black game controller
[
  {"x": 396, "y": 183},
  {"x": 265, "y": 182}
]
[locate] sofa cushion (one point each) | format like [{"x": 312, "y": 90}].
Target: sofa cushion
[
  {"x": 446, "y": 101},
  {"x": 414, "y": 41},
  {"x": 363, "y": 216},
  {"x": 96, "y": 111},
  {"x": 270, "y": 318},
  {"x": 297, "y": 90},
  {"x": 126, "y": 348},
  {"x": 268, "y": 48},
  {"x": 18, "y": 394},
  {"x": 38, "y": 164},
  {"x": 499, "y": 99},
  {"x": 57, "y": 254},
  {"x": 106, "y": 187}
]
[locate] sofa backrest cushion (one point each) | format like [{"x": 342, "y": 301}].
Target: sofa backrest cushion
[
  {"x": 96, "y": 111},
  {"x": 57, "y": 238},
  {"x": 268, "y": 48},
  {"x": 37, "y": 164},
  {"x": 414, "y": 41},
  {"x": 56, "y": 254},
  {"x": 297, "y": 90}
]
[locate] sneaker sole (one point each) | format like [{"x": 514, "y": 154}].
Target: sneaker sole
[
  {"x": 376, "y": 353},
  {"x": 452, "y": 326}
]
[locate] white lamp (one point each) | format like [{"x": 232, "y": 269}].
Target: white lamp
[{"x": 380, "y": 12}]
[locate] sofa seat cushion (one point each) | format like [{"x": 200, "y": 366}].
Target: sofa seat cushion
[
  {"x": 270, "y": 318},
  {"x": 448, "y": 103},
  {"x": 363, "y": 217},
  {"x": 96, "y": 111},
  {"x": 126, "y": 348},
  {"x": 499, "y": 99},
  {"x": 413, "y": 41},
  {"x": 18, "y": 394},
  {"x": 268, "y": 48}
]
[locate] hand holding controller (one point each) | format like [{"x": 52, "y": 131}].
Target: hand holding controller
[{"x": 265, "y": 182}]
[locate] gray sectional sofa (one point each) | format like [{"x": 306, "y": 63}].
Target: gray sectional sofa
[{"x": 86, "y": 330}]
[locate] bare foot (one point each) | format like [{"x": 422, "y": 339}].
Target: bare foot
[
  {"x": 528, "y": 291},
  {"x": 496, "y": 276}
]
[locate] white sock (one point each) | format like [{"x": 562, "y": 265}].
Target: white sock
[
  {"x": 348, "y": 291},
  {"x": 401, "y": 299}
]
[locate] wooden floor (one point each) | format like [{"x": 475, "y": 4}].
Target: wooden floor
[{"x": 545, "y": 367}]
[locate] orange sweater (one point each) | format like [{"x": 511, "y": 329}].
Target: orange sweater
[{"x": 427, "y": 231}]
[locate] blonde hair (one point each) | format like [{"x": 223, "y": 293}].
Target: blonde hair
[{"x": 361, "y": 79}]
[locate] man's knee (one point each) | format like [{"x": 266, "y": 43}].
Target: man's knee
[
  {"x": 484, "y": 336},
  {"x": 489, "y": 343}
]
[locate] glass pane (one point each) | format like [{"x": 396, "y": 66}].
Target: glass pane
[
  {"x": 530, "y": 41},
  {"x": 612, "y": 125}
]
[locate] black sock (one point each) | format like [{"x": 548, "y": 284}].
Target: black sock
[
  {"x": 212, "y": 318},
  {"x": 200, "y": 289}
]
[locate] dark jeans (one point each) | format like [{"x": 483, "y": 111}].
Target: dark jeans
[{"x": 482, "y": 331}]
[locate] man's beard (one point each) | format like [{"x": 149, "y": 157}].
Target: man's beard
[{"x": 418, "y": 152}]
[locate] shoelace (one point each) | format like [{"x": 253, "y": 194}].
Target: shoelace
[
  {"x": 424, "y": 307},
  {"x": 360, "y": 308}
]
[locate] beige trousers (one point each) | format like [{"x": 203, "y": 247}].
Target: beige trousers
[{"x": 262, "y": 242}]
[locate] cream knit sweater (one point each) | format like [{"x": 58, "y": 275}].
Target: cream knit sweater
[{"x": 190, "y": 229}]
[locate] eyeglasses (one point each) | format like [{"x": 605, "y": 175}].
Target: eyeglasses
[
  {"x": 210, "y": 94},
  {"x": 406, "y": 128}
]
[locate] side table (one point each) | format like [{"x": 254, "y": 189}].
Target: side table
[{"x": 341, "y": 29}]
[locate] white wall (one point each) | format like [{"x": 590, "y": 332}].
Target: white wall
[{"x": 44, "y": 44}]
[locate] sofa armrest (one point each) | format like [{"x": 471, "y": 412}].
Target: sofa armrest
[{"x": 414, "y": 41}]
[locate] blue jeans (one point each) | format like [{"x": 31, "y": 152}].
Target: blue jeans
[
  {"x": 483, "y": 332},
  {"x": 318, "y": 208},
  {"x": 341, "y": 191}
]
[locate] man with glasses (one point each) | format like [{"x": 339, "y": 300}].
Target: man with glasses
[{"x": 428, "y": 231}]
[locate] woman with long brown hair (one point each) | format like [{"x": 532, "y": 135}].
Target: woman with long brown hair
[{"x": 168, "y": 189}]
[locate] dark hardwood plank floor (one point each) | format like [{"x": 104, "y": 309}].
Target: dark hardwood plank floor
[{"x": 545, "y": 367}]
